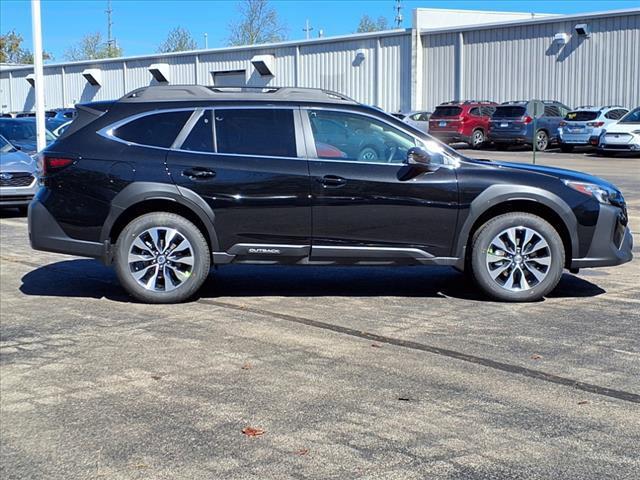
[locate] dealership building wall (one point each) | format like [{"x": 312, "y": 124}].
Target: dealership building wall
[{"x": 509, "y": 56}]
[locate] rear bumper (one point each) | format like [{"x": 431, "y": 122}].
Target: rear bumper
[
  {"x": 612, "y": 242},
  {"x": 517, "y": 138},
  {"x": 450, "y": 137},
  {"x": 45, "y": 234}
]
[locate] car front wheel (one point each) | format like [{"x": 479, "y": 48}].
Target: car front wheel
[
  {"x": 477, "y": 139},
  {"x": 162, "y": 258},
  {"x": 542, "y": 140},
  {"x": 517, "y": 257}
]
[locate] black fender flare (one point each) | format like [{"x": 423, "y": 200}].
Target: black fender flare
[
  {"x": 139, "y": 192},
  {"x": 497, "y": 194}
]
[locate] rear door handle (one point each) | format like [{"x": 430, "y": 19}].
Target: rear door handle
[
  {"x": 332, "y": 181},
  {"x": 199, "y": 173}
]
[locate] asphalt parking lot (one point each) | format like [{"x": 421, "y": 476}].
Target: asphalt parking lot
[{"x": 350, "y": 372}]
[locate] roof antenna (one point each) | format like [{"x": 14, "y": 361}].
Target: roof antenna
[{"x": 398, "y": 9}]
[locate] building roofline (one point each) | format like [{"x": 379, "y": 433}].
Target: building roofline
[
  {"x": 262, "y": 46},
  {"x": 532, "y": 21}
]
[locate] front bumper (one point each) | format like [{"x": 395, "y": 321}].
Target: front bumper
[
  {"x": 45, "y": 234},
  {"x": 612, "y": 242},
  {"x": 17, "y": 196}
]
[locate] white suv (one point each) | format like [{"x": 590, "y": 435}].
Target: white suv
[
  {"x": 623, "y": 136},
  {"x": 584, "y": 123}
]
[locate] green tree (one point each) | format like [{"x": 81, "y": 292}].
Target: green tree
[
  {"x": 367, "y": 24},
  {"x": 178, "y": 40},
  {"x": 92, "y": 46},
  {"x": 259, "y": 23},
  {"x": 11, "y": 50}
]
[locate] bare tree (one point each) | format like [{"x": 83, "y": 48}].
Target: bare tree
[
  {"x": 92, "y": 46},
  {"x": 178, "y": 40},
  {"x": 259, "y": 23},
  {"x": 367, "y": 24}
]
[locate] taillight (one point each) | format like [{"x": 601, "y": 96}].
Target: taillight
[
  {"x": 527, "y": 120},
  {"x": 595, "y": 124},
  {"x": 54, "y": 164}
]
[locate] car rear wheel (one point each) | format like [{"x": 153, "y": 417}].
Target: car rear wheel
[
  {"x": 162, "y": 258},
  {"x": 517, "y": 257},
  {"x": 477, "y": 139},
  {"x": 542, "y": 140}
]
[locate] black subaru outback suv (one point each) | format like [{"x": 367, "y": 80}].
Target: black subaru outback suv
[{"x": 169, "y": 180}]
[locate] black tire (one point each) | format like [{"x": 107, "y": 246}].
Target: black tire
[
  {"x": 478, "y": 139},
  {"x": 199, "y": 251},
  {"x": 481, "y": 244},
  {"x": 566, "y": 148},
  {"x": 542, "y": 140}
]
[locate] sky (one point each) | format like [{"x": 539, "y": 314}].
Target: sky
[{"x": 141, "y": 25}]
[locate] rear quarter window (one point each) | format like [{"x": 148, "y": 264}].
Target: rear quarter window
[{"x": 157, "y": 130}]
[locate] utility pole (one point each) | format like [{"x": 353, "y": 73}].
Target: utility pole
[
  {"x": 206, "y": 40},
  {"x": 398, "y": 10},
  {"x": 36, "y": 31},
  {"x": 110, "y": 42},
  {"x": 307, "y": 29}
]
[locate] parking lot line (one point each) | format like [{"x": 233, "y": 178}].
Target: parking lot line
[{"x": 505, "y": 367}]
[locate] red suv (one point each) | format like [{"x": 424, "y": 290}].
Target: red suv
[{"x": 465, "y": 121}]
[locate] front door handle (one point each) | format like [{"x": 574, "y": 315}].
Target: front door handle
[
  {"x": 332, "y": 181},
  {"x": 199, "y": 173}
]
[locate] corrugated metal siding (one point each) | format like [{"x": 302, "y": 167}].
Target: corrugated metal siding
[
  {"x": 336, "y": 66},
  {"x": 512, "y": 63},
  {"x": 439, "y": 69},
  {"x": 395, "y": 73}
]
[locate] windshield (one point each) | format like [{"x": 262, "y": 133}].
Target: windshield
[
  {"x": 20, "y": 132},
  {"x": 446, "y": 112},
  {"x": 581, "y": 116},
  {"x": 509, "y": 112},
  {"x": 5, "y": 146},
  {"x": 632, "y": 117}
]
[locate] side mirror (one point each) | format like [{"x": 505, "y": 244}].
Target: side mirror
[{"x": 418, "y": 156}]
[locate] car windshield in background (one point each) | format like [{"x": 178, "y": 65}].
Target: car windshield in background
[
  {"x": 581, "y": 116},
  {"x": 632, "y": 117},
  {"x": 509, "y": 112},
  {"x": 18, "y": 131},
  {"x": 447, "y": 112},
  {"x": 5, "y": 146}
]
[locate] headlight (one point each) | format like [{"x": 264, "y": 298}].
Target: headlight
[{"x": 602, "y": 194}]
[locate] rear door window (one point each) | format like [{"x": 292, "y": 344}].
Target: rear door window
[
  {"x": 552, "y": 111},
  {"x": 259, "y": 131},
  {"x": 447, "y": 112},
  {"x": 200, "y": 139},
  {"x": 157, "y": 130}
]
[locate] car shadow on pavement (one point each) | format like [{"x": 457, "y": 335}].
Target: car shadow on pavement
[{"x": 90, "y": 279}]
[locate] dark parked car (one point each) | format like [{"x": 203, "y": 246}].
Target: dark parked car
[
  {"x": 466, "y": 121},
  {"x": 17, "y": 176},
  {"x": 53, "y": 118},
  {"x": 21, "y": 133},
  {"x": 169, "y": 180},
  {"x": 512, "y": 123}
]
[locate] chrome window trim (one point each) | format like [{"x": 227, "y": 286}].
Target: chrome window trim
[{"x": 186, "y": 128}]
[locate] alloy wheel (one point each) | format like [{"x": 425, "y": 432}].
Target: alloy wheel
[
  {"x": 518, "y": 258},
  {"x": 161, "y": 259},
  {"x": 478, "y": 138},
  {"x": 542, "y": 141}
]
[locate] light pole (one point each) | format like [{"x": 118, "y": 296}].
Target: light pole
[{"x": 36, "y": 31}]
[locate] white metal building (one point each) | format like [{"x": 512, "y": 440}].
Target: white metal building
[{"x": 447, "y": 54}]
